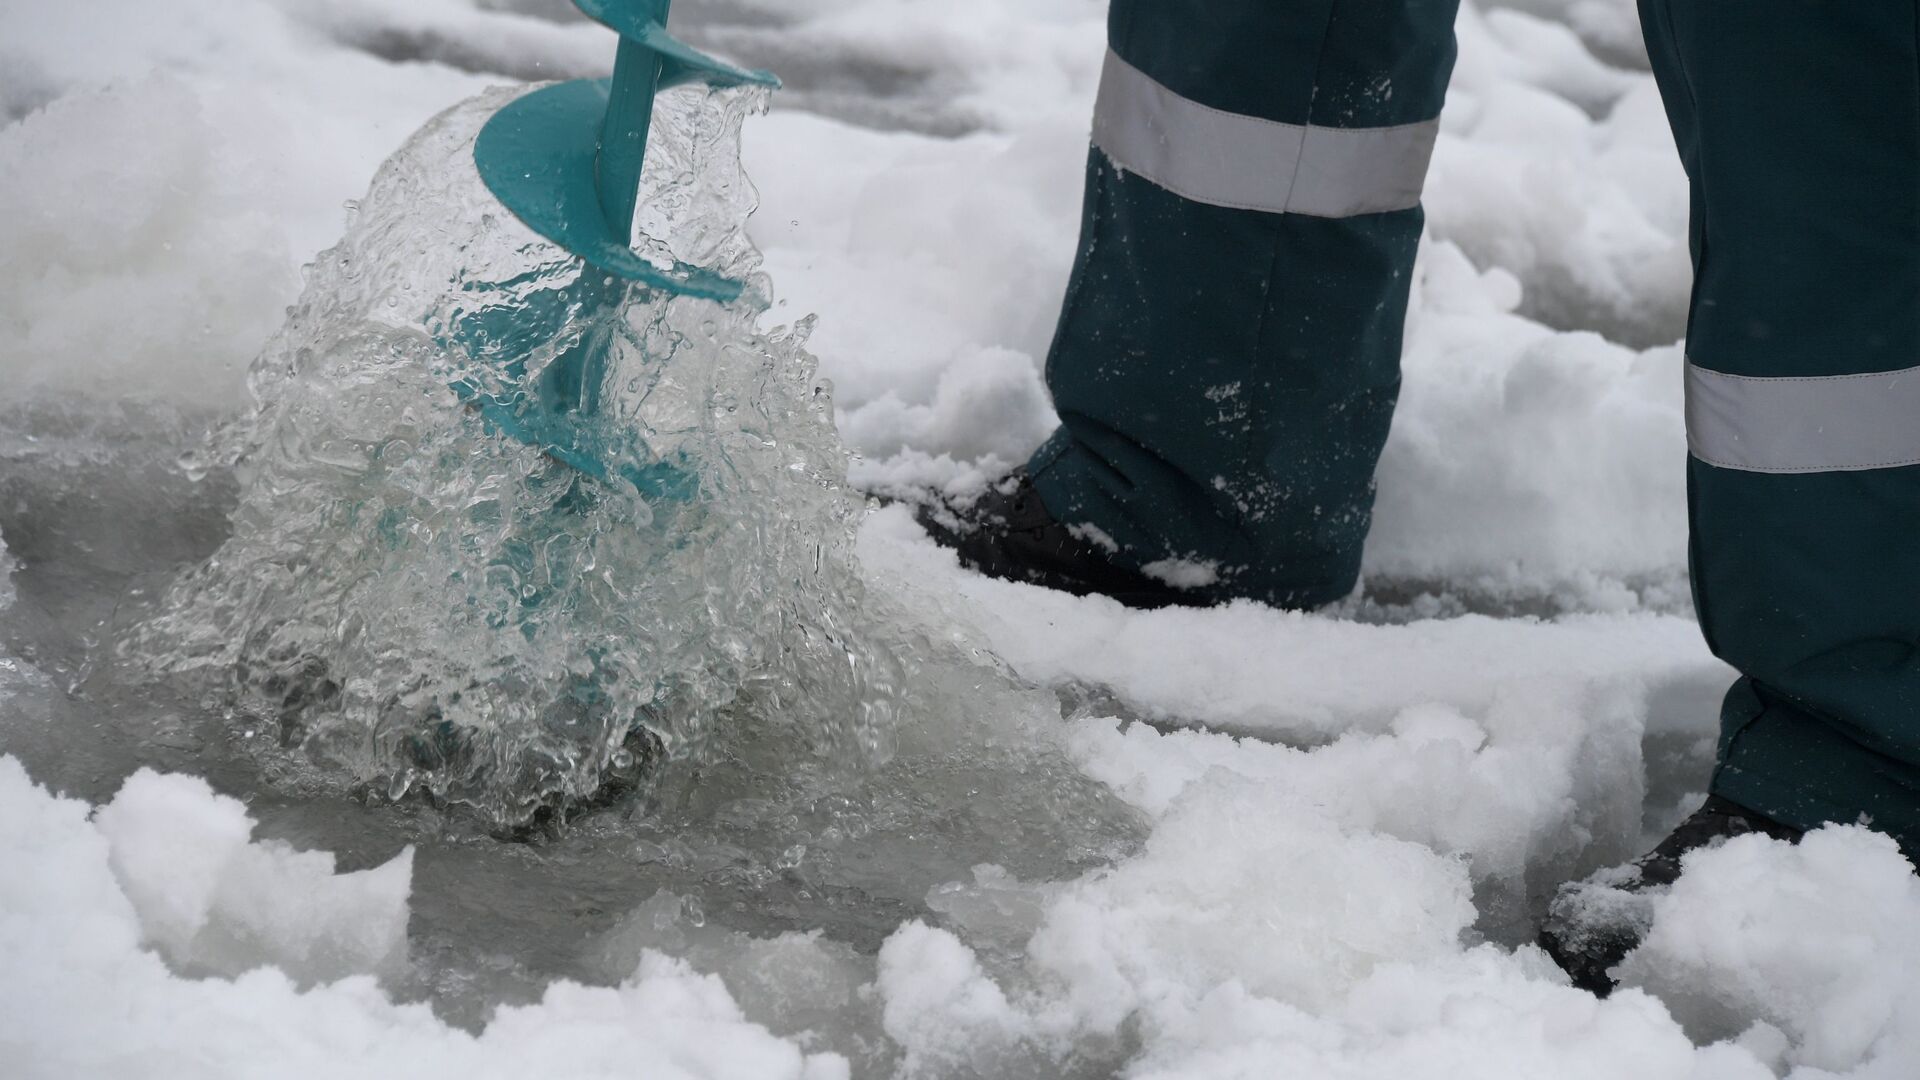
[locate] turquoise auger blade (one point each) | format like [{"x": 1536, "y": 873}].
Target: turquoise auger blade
[{"x": 566, "y": 160}]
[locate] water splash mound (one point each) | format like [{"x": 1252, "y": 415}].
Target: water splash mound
[{"x": 424, "y": 605}]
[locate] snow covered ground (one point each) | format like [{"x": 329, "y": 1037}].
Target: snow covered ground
[{"x": 1346, "y": 821}]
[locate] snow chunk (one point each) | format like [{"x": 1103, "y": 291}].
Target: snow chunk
[
  {"x": 1221, "y": 894},
  {"x": 1820, "y": 940},
  {"x": 1477, "y": 1015},
  {"x": 1255, "y": 938},
  {"x": 1184, "y": 573},
  {"x": 1523, "y": 789},
  {"x": 942, "y": 1008},
  {"x": 1093, "y": 534},
  {"x": 212, "y": 901}
]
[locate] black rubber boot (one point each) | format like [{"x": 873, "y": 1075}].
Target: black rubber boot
[
  {"x": 1592, "y": 925},
  {"x": 1007, "y": 533}
]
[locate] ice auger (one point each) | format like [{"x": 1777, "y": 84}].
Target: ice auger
[{"x": 566, "y": 160}]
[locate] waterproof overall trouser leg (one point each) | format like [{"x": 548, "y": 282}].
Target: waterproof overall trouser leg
[
  {"x": 1799, "y": 124},
  {"x": 1228, "y": 355}
]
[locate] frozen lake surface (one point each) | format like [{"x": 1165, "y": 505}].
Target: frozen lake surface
[{"x": 1077, "y": 840}]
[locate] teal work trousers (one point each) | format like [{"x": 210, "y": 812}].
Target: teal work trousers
[
  {"x": 1227, "y": 358},
  {"x": 1225, "y": 377},
  {"x": 1799, "y": 125}
]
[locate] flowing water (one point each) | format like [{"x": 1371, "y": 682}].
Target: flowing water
[{"x": 610, "y": 719}]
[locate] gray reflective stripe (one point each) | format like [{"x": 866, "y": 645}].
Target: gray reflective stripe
[
  {"x": 1833, "y": 423},
  {"x": 1244, "y": 162}
]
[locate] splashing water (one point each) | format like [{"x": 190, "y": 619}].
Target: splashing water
[{"x": 424, "y": 605}]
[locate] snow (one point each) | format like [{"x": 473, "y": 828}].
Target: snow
[
  {"x": 1351, "y": 816},
  {"x": 82, "y": 998},
  {"x": 1817, "y": 942},
  {"x": 1253, "y": 669},
  {"x": 213, "y": 901},
  {"x": 1184, "y": 573},
  {"x": 1314, "y": 948}
]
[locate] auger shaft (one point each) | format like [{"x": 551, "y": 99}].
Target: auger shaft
[
  {"x": 623, "y": 134},
  {"x": 567, "y": 161}
]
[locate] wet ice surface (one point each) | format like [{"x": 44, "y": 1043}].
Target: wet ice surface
[
  {"x": 361, "y": 567},
  {"x": 1236, "y": 842},
  {"x": 757, "y": 836}
]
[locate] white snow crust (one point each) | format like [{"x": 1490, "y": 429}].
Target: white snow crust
[
  {"x": 1230, "y": 946},
  {"x": 81, "y": 997},
  {"x": 1344, "y": 806}
]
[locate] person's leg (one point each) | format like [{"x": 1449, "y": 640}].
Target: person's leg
[
  {"x": 1799, "y": 124},
  {"x": 1228, "y": 355}
]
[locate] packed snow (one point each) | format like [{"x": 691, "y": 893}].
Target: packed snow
[{"x": 1307, "y": 844}]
